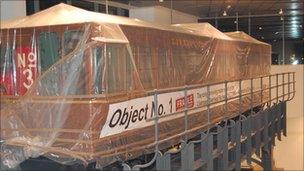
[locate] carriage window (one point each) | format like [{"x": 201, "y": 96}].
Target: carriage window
[
  {"x": 6, "y": 63},
  {"x": 2, "y": 55},
  {"x": 6, "y": 68},
  {"x": 99, "y": 66},
  {"x": 146, "y": 55},
  {"x": 130, "y": 73},
  {"x": 145, "y": 66},
  {"x": 120, "y": 69},
  {"x": 71, "y": 39},
  {"x": 49, "y": 47},
  {"x": 116, "y": 68},
  {"x": 163, "y": 58},
  {"x": 165, "y": 70}
]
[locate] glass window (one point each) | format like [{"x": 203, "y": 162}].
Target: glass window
[
  {"x": 71, "y": 39},
  {"x": 163, "y": 58},
  {"x": 99, "y": 66},
  {"x": 6, "y": 68},
  {"x": 112, "y": 10},
  {"x": 2, "y": 56},
  {"x": 130, "y": 73},
  {"x": 101, "y": 8},
  {"x": 83, "y": 4},
  {"x": 120, "y": 69},
  {"x": 116, "y": 67},
  {"x": 146, "y": 61},
  {"x": 49, "y": 47},
  {"x": 43, "y": 4},
  {"x": 145, "y": 66},
  {"x": 124, "y": 12},
  {"x": 30, "y": 7},
  {"x": 165, "y": 69}
]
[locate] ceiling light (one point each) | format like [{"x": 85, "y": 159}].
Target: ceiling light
[
  {"x": 294, "y": 22},
  {"x": 229, "y": 6},
  {"x": 276, "y": 32},
  {"x": 294, "y": 28},
  {"x": 161, "y": 0},
  {"x": 224, "y": 13},
  {"x": 260, "y": 28},
  {"x": 295, "y": 62},
  {"x": 281, "y": 12}
]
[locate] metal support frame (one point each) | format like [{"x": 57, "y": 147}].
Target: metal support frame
[
  {"x": 237, "y": 22},
  {"x": 107, "y": 7},
  {"x": 249, "y": 23},
  {"x": 267, "y": 159},
  {"x": 283, "y": 39},
  {"x": 224, "y": 147}
]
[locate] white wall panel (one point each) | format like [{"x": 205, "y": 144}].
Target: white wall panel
[
  {"x": 12, "y": 9},
  {"x": 161, "y": 15},
  {"x": 288, "y": 153}
]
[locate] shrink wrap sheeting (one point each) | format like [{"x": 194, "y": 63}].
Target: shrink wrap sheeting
[{"x": 77, "y": 86}]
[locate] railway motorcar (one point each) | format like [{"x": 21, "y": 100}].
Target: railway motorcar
[{"x": 80, "y": 85}]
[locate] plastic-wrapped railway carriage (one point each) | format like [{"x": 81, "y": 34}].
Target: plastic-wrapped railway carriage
[{"x": 78, "y": 85}]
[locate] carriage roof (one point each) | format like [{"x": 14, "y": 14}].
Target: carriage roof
[
  {"x": 242, "y": 36},
  {"x": 63, "y": 14}
]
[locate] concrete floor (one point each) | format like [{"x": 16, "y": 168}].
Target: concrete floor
[{"x": 288, "y": 153}]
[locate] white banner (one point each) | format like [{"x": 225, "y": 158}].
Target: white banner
[{"x": 133, "y": 114}]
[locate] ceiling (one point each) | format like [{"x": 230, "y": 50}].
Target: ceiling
[{"x": 266, "y": 22}]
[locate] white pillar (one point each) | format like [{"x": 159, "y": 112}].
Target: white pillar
[
  {"x": 12, "y": 9},
  {"x": 162, "y": 15}
]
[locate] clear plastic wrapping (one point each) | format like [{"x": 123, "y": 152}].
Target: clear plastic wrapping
[{"x": 78, "y": 86}]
